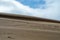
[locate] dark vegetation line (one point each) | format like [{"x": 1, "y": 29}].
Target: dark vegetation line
[{"x": 23, "y": 17}]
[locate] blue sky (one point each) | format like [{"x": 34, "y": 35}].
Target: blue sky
[
  {"x": 33, "y": 3},
  {"x": 39, "y": 8}
]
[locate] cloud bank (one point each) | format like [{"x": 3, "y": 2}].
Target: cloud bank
[{"x": 13, "y": 6}]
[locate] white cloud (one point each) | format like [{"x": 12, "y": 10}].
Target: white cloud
[
  {"x": 16, "y": 7},
  {"x": 4, "y": 9},
  {"x": 5, "y": 6},
  {"x": 7, "y": 0}
]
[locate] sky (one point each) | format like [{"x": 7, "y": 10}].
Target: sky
[{"x": 38, "y": 8}]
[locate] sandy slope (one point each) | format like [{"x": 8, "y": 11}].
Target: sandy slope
[{"x": 14, "y": 29}]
